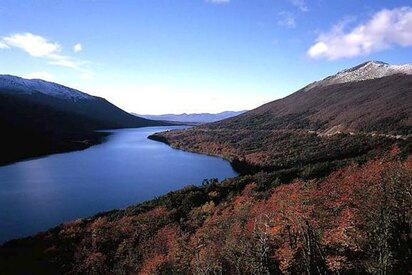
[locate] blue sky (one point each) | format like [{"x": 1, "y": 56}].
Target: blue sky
[{"x": 174, "y": 56}]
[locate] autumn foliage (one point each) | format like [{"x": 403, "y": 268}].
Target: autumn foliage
[{"x": 357, "y": 220}]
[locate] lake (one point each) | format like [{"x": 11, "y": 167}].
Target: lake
[{"x": 128, "y": 168}]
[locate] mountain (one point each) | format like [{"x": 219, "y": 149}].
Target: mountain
[
  {"x": 371, "y": 97},
  {"x": 194, "y": 118},
  {"x": 347, "y": 114},
  {"x": 39, "y": 117},
  {"x": 326, "y": 191}
]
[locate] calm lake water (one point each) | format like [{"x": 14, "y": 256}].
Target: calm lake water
[{"x": 129, "y": 168}]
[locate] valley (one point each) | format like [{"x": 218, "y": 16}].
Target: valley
[
  {"x": 207, "y": 137},
  {"x": 324, "y": 188}
]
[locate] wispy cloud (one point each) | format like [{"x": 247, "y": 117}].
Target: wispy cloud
[
  {"x": 286, "y": 19},
  {"x": 385, "y": 29},
  {"x": 68, "y": 62},
  {"x": 300, "y": 4},
  {"x": 218, "y": 1},
  {"x": 40, "y": 75},
  {"x": 77, "y": 48},
  {"x": 40, "y": 47},
  {"x": 3, "y": 45}
]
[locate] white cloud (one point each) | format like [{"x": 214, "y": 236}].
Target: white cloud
[
  {"x": 385, "y": 29},
  {"x": 34, "y": 45},
  {"x": 318, "y": 49},
  {"x": 3, "y": 45},
  {"x": 40, "y": 47},
  {"x": 40, "y": 75},
  {"x": 286, "y": 19},
  {"x": 77, "y": 48},
  {"x": 218, "y": 1},
  {"x": 300, "y": 4}
]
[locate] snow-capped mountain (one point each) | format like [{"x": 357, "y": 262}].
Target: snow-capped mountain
[
  {"x": 39, "y": 117},
  {"x": 364, "y": 71},
  {"x": 372, "y": 97},
  {"x": 64, "y": 99},
  {"x": 14, "y": 84}
]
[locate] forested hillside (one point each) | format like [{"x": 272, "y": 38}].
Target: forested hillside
[{"x": 357, "y": 220}]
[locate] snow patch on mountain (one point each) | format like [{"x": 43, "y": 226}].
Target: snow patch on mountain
[
  {"x": 9, "y": 83},
  {"x": 364, "y": 71}
]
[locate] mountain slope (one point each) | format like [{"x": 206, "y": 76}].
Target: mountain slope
[
  {"x": 194, "y": 118},
  {"x": 39, "y": 117},
  {"x": 70, "y": 100},
  {"x": 358, "y": 99},
  {"x": 327, "y": 120}
]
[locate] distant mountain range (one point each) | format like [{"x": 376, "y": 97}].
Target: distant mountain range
[
  {"x": 193, "y": 118},
  {"x": 39, "y": 117}
]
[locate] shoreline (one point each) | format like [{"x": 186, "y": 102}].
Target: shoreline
[
  {"x": 239, "y": 166},
  {"x": 70, "y": 146}
]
